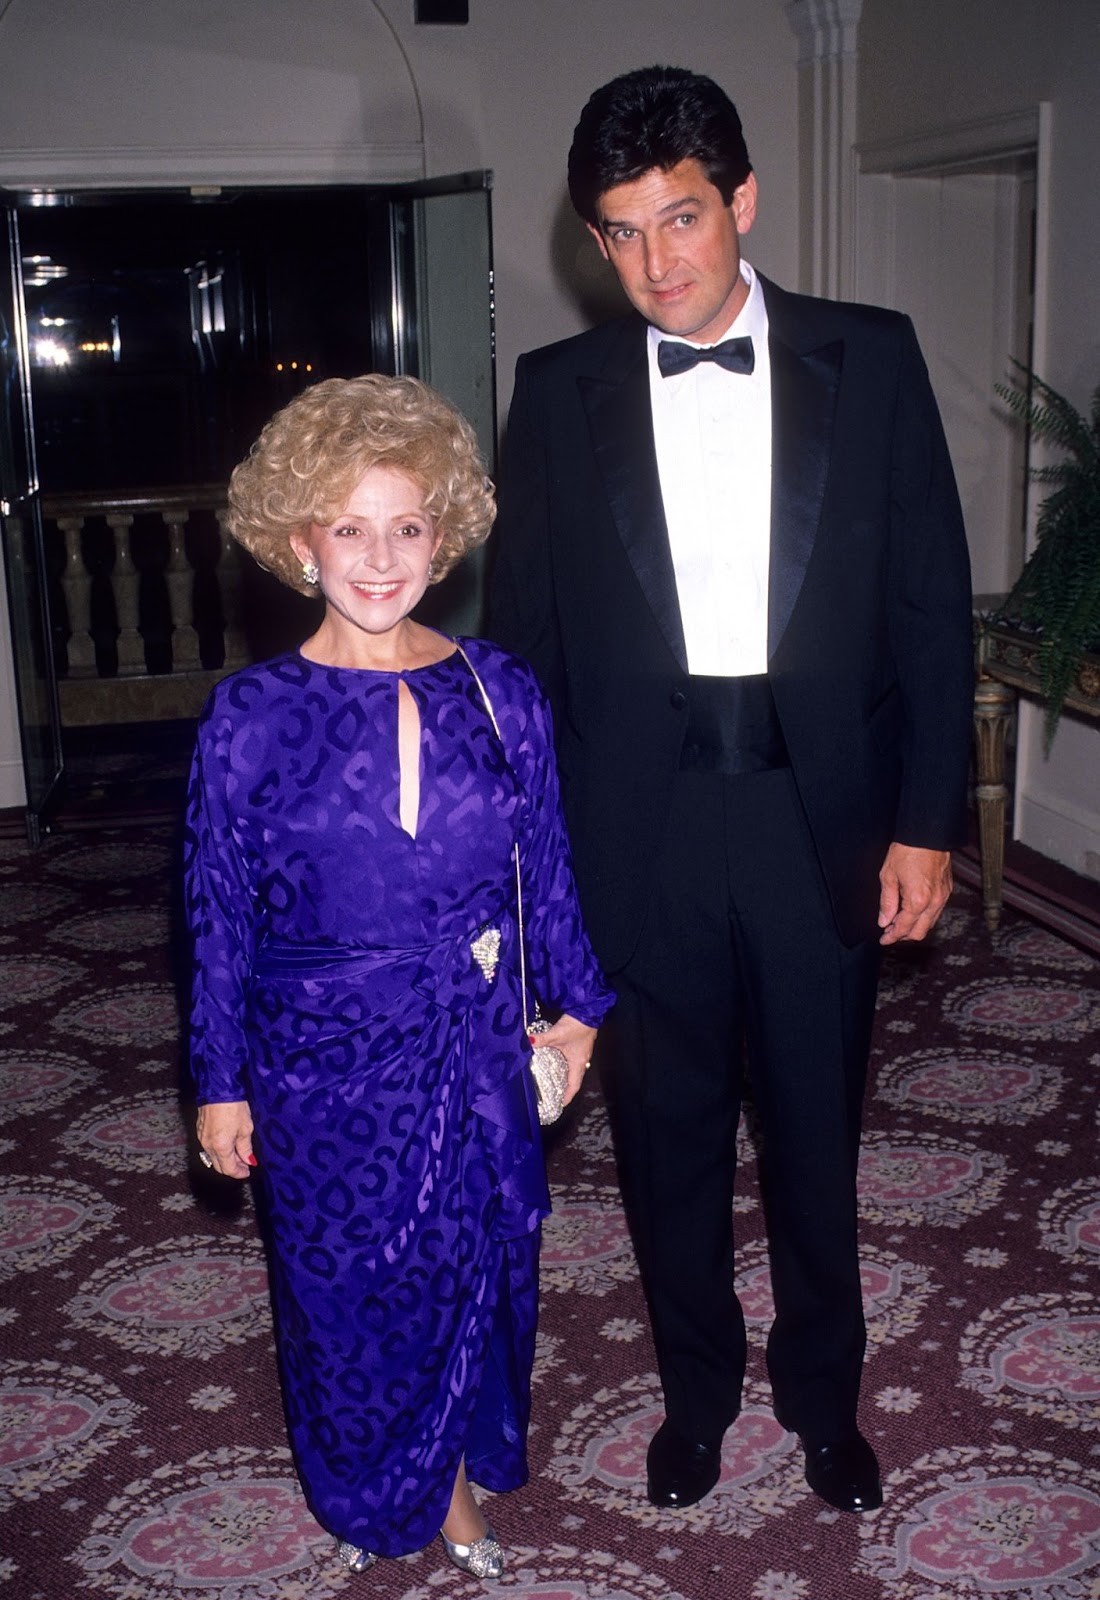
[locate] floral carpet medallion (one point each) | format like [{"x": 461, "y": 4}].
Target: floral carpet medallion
[
  {"x": 115, "y": 930},
  {"x": 44, "y": 1219},
  {"x": 228, "y": 1524},
  {"x": 113, "y": 862},
  {"x": 562, "y": 1571},
  {"x": 32, "y": 1081},
  {"x": 895, "y": 1294},
  {"x": 600, "y": 1456},
  {"x": 54, "y": 1422},
  {"x": 27, "y": 902},
  {"x": 1039, "y": 1354},
  {"x": 141, "y": 1014},
  {"x": 1069, "y": 1221},
  {"x": 927, "y": 1179},
  {"x": 1036, "y": 1009},
  {"x": 585, "y": 1243},
  {"x": 1021, "y": 1525},
  {"x": 166, "y": 1300},
  {"x": 1029, "y": 944},
  {"x": 143, "y": 1130},
  {"x": 25, "y": 979},
  {"x": 971, "y": 1086}
]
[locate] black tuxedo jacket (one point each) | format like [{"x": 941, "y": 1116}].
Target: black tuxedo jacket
[{"x": 869, "y": 624}]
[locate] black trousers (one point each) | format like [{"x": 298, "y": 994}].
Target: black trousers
[{"x": 739, "y": 957}]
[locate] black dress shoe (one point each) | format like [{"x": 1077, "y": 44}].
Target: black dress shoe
[
  {"x": 845, "y": 1474},
  {"x": 680, "y": 1471}
]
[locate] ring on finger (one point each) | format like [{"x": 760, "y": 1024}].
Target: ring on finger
[{"x": 205, "y": 1159}]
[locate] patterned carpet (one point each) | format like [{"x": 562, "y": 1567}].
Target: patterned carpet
[{"x": 142, "y": 1455}]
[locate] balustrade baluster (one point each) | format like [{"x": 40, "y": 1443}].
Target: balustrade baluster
[
  {"x": 124, "y": 583},
  {"x": 76, "y": 584},
  {"x": 181, "y": 596},
  {"x": 229, "y": 584}
]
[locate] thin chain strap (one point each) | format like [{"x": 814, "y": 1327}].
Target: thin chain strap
[{"x": 515, "y": 848}]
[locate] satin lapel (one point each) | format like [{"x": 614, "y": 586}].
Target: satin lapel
[
  {"x": 804, "y": 392},
  {"x": 620, "y": 420}
]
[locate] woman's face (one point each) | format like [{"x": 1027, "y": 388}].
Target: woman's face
[{"x": 373, "y": 558}]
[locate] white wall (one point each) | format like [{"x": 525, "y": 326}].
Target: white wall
[
  {"x": 972, "y": 230},
  {"x": 202, "y": 91},
  {"x": 938, "y": 65}
]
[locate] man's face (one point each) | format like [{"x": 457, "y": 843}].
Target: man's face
[{"x": 676, "y": 248}]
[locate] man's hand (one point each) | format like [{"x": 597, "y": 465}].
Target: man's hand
[{"x": 916, "y": 885}]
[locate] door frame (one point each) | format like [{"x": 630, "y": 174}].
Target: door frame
[{"x": 28, "y": 603}]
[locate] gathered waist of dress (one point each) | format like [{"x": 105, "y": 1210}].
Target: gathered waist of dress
[
  {"x": 284, "y": 955},
  {"x": 304, "y": 959}
]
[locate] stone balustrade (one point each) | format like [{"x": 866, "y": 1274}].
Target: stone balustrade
[{"x": 147, "y": 602}]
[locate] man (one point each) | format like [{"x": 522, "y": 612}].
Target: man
[{"x": 743, "y": 580}]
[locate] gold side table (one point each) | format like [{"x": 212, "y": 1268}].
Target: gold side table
[{"x": 1007, "y": 666}]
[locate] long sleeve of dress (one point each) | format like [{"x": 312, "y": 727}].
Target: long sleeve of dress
[
  {"x": 220, "y": 898},
  {"x": 562, "y": 968}
]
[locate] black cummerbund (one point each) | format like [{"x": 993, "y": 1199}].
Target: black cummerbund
[{"x": 732, "y": 727}]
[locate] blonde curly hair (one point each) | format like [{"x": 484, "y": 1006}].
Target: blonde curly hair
[{"x": 314, "y": 451}]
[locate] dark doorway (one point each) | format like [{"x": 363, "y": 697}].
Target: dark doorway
[{"x": 165, "y": 329}]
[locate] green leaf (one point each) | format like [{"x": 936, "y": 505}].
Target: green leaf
[{"x": 1058, "y": 591}]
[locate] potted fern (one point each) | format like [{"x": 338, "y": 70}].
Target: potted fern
[{"x": 1056, "y": 598}]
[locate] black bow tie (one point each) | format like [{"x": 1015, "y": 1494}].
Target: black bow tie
[{"x": 736, "y": 355}]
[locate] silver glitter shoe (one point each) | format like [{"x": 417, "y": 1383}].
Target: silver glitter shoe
[
  {"x": 482, "y": 1559},
  {"x": 354, "y": 1559}
]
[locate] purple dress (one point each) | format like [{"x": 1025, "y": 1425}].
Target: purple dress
[{"x": 335, "y": 990}]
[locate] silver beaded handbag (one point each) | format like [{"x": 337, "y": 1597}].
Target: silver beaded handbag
[
  {"x": 549, "y": 1067},
  {"x": 550, "y": 1071}
]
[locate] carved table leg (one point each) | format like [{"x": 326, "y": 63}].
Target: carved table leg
[{"x": 993, "y": 705}]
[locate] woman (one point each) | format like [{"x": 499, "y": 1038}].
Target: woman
[{"x": 357, "y": 1032}]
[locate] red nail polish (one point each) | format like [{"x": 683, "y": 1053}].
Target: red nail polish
[{"x": 251, "y": 1159}]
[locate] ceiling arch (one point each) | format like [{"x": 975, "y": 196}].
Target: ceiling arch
[{"x": 198, "y": 92}]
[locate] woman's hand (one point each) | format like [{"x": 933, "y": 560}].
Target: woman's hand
[
  {"x": 225, "y": 1134},
  {"x": 575, "y": 1041}
]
